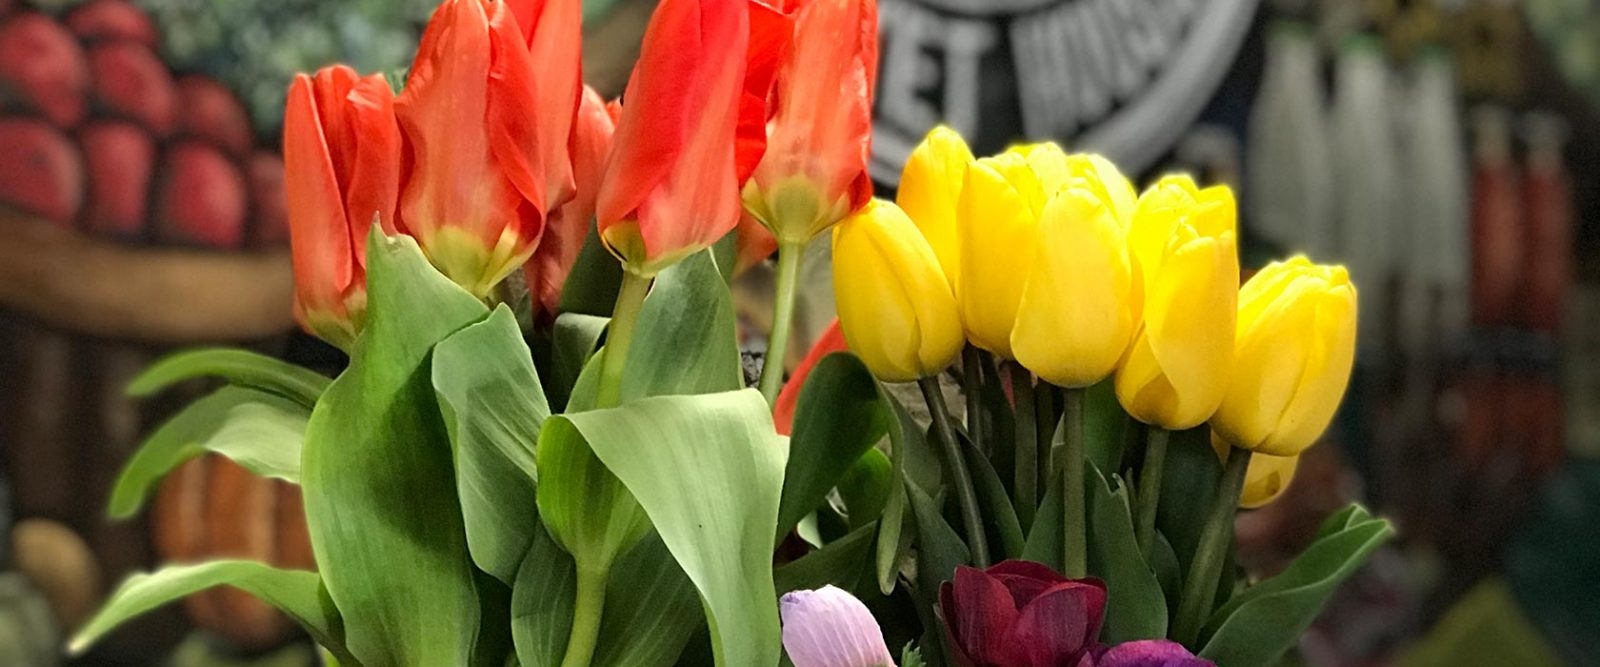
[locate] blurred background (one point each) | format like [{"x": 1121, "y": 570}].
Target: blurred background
[{"x": 1447, "y": 151}]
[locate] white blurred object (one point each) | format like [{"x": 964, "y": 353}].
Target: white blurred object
[
  {"x": 1435, "y": 278},
  {"x": 1288, "y": 193},
  {"x": 1370, "y": 234}
]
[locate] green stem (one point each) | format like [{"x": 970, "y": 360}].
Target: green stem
[
  {"x": 586, "y": 613},
  {"x": 1047, "y": 416},
  {"x": 1155, "y": 462},
  {"x": 790, "y": 257},
  {"x": 972, "y": 388},
  {"x": 1026, "y": 483},
  {"x": 1200, "y": 588},
  {"x": 1074, "y": 529},
  {"x": 619, "y": 337},
  {"x": 955, "y": 469}
]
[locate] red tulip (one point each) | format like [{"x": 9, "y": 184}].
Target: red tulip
[
  {"x": 487, "y": 113},
  {"x": 341, "y": 151},
  {"x": 1020, "y": 614},
  {"x": 819, "y": 136},
  {"x": 563, "y": 236},
  {"x": 671, "y": 184}
]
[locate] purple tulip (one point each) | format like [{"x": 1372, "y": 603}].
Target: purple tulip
[
  {"x": 828, "y": 627},
  {"x": 1020, "y": 614},
  {"x": 1150, "y": 653}
]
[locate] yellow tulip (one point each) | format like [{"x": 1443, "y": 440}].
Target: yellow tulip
[
  {"x": 1182, "y": 240},
  {"x": 930, "y": 188},
  {"x": 895, "y": 306},
  {"x": 1078, "y": 310},
  {"x": 1292, "y": 356},
  {"x": 998, "y": 224},
  {"x": 1267, "y": 477}
]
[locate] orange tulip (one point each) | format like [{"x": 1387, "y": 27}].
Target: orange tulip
[
  {"x": 487, "y": 113},
  {"x": 671, "y": 185},
  {"x": 819, "y": 136},
  {"x": 341, "y": 151},
  {"x": 563, "y": 236}
]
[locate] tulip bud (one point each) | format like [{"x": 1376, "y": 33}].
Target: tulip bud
[
  {"x": 1292, "y": 357},
  {"x": 1182, "y": 240},
  {"x": 563, "y": 237},
  {"x": 487, "y": 130},
  {"x": 1267, "y": 477},
  {"x": 828, "y": 627},
  {"x": 895, "y": 307},
  {"x": 671, "y": 185},
  {"x": 998, "y": 223},
  {"x": 930, "y": 190},
  {"x": 1077, "y": 312},
  {"x": 341, "y": 153},
  {"x": 819, "y": 137}
]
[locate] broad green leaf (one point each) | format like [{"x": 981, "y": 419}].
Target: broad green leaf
[
  {"x": 1187, "y": 485},
  {"x": 1257, "y": 626},
  {"x": 583, "y": 505},
  {"x": 296, "y": 593},
  {"x": 1000, "y": 518},
  {"x": 1136, "y": 606},
  {"x": 893, "y": 540},
  {"x": 574, "y": 340},
  {"x": 708, "y": 470},
  {"x": 593, "y": 281},
  {"x": 865, "y": 487},
  {"x": 686, "y": 341},
  {"x": 726, "y": 254},
  {"x": 845, "y": 562},
  {"x": 1104, "y": 423},
  {"x": 542, "y": 601},
  {"x": 492, "y": 404},
  {"x": 377, "y": 475},
  {"x": 838, "y": 418},
  {"x": 258, "y": 430},
  {"x": 939, "y": 552},
  {"x": 239, "y": 367},
  {"x": 1044, "y": 537}
]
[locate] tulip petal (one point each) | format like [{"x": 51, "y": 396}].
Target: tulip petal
[
  {"x": 319, "y": 233},
  {"x": 1058, "y": 625},
  {"x": 998, "y": 226},
  {"x": 530, "y": 112},
  {"x": 565, "y": 232},
  {"x": 895, "y": 307},
  {"x": 831, "y": 628},
  {"x": 1326, "y": 377},
  {"x": 771, "y": 34},
  {"x": 1025, "y": 579},
  {"x": 1150, "y": 653},
  {"x": 374, "y": 176},
  {"x": 1189, "y": 316},
  {"x": 980, "y": 613},
  {"x": 930, "y": 191}
]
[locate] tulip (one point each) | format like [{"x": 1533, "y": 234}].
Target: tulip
[
  {"x": 487, "y": 128},
  {"x": 1182, "y": 240},
  {"x": 1150, "y": 653},
  {"x": 895, "y": 308},
  {"x": 753, "y": 243},
  {"x": 1078, "y": 309},
  {"x": 1020, "y": 614},
  {"x": 563, "y": 237},
  {"x": 828, "y": 627},
  {"x": 671, "y": 185},
  {"x": 1292, "y": 357},
  {"x": 819, "y": 136},
  {"x": 341, "y": 151},
  {"x": 930, "y": 191},
  {"x": 998, "y": 220},
  {"x": 1266, "y": 478}
]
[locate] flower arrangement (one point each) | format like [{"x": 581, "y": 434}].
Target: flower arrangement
[{"x": 542, "y": 451}]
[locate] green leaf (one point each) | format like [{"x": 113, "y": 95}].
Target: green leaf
[
  {"x": 940, "y": 550},
  {"x": 583, "y": 505},
  {"x": 493, "y": 405},
  {"x": 726, "y": 253},
  {"x": 541, "y": 603},
  {"x": 1136, "y": 606},
  {"x": 1257, "y": 626},
  {"x": 893, "y": 540},
  {"x": 865, "y": 488},
  {"x": 296, "y": 593},
  {"x": 1187, "y": 485},
  {"x": 1104, "y": 426},
  {"x": 708, "y": 470},
  {"x": 1000, "y": 518},
  {"x": 258, "y": 430},
  {"x": 845, "y": 562},
  {"x": 1044, "y": 537},
  {"x": 377, "y": 475},
  {"x": 573, "y": 342},
  {"x": 593, "y": 281},
  {"x": 239, "y": 367},
  {"x": 686, "y": 341},
  {"x": 838, "y": 418}
]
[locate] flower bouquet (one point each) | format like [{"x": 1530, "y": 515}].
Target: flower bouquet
[{"x": 543, "y": 450}]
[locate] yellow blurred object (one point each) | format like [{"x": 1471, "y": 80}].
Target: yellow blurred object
[
  {"x": 1295, "y": 345},
  {"x": 1182, "y": 240},
  {"x": 930, "y": 189},
  {"x": 895, "y": 306},
  {"x": 1267, "y": 477}
]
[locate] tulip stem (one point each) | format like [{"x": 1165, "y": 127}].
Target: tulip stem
[
  {"x": 955, "y": 469},
  {"x": 1200, "y": 588},
  {"x": 1074, "y": 530},
  {"x": 587, "y": 609},
  {"x": 1155, "y": 462},
  {"x": 972, "y": 369},
  {"x": 1026, "y": 483},
  {"x": 619, "y": 338},
  {"x": 790, "y": 257}
]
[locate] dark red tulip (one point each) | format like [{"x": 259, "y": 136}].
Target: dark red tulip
[{"x": 1020, "y": 614}]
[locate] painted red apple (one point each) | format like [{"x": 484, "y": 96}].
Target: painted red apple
[
  {"x": 42, "y": 69},
  {"x": 270, "y": 226},
  {"x": 42, "y": 173},
  {"x": 113, "y": 20},
  {"x": 121, "y": 157},
  {"x": 201, "y": 197},
  {"x": 130, "y": 81},
  {"x": 209, "y": 111}
]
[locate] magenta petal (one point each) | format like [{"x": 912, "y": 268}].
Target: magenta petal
[
  {"x": 1151, "y": 653},
  {"x": 831, "y": 628},
  {"x": 1059, "y": 626},
  {"x": 983, "y": 613}
]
